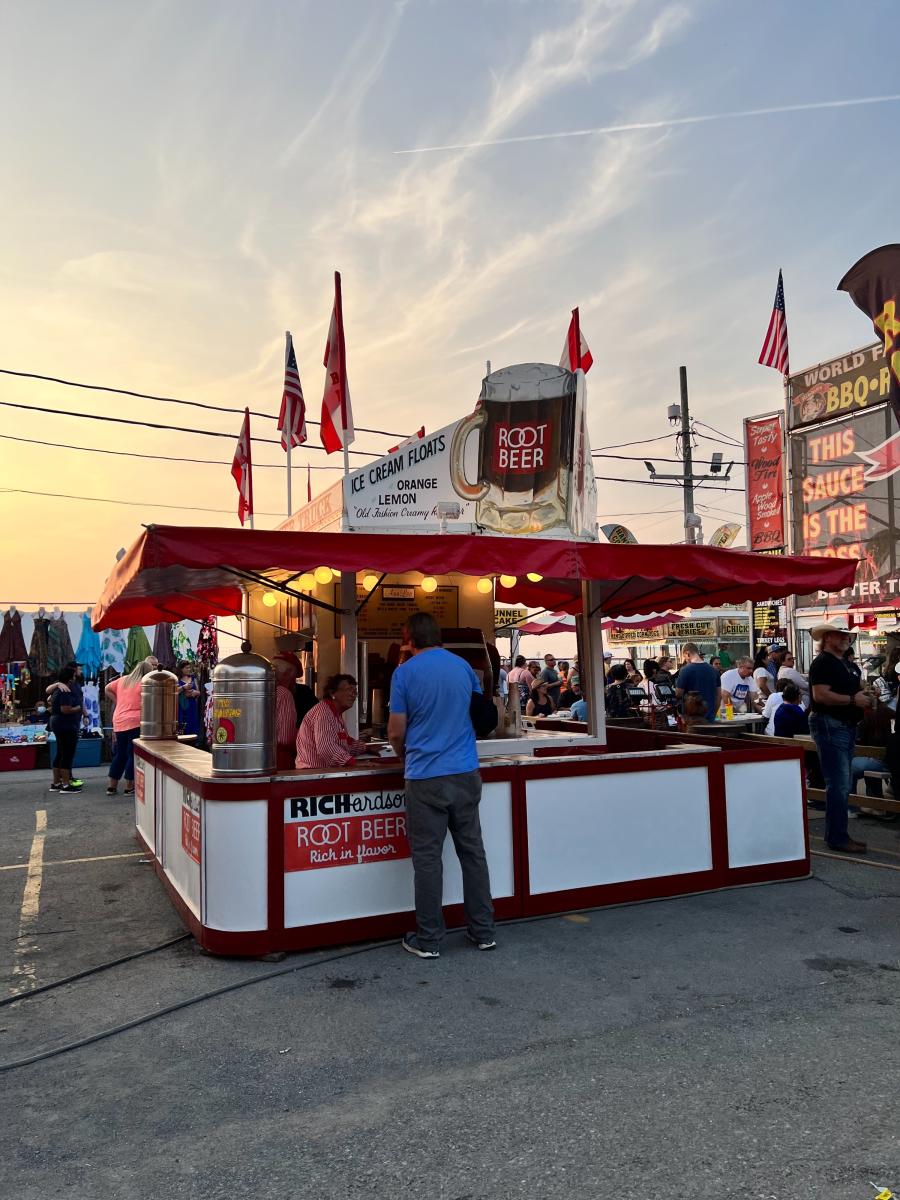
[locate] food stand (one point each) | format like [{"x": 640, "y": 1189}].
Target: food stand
[
  {"x": 287, "y": 860},
  {"x": 297, "y": 859}
]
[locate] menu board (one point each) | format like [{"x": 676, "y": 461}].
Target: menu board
[{"x": 387, "y": 609}]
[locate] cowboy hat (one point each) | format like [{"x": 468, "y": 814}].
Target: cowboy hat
[{"x": 818, "y": 631}]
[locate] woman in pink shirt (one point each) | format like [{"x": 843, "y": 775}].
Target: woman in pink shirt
[{"x": 126, "y": 722}]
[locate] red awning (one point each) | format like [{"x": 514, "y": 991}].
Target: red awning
[{"x": 174, "y": 571}]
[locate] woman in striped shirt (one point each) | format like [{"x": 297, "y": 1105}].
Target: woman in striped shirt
[{"x": 323, "y": 739}]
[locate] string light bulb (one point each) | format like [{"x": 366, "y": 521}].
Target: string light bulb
[
  {"x": 508, "y": 581},
  {"x": 429, "y": 584},
  {"x": 370, "y": 581},
  {"x": 270, "y": 599},
  {"x": 307, "y": 581},
  {"x": 533, "y": 577},
  {"x": 323, "y": 574},
  {"x": 485, "y": 585}
]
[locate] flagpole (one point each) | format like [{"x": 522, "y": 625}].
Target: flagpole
[{"x": 290, "y": 510}]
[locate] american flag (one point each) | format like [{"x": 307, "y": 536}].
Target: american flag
[
  {"x": 775, "y": 347},
  {"x": 292, "y": 418}
]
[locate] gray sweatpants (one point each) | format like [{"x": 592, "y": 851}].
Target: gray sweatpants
[{"x": 432, "y": 807}]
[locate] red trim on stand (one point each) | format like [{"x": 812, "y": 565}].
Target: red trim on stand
[{"x": 718, "y": 820}]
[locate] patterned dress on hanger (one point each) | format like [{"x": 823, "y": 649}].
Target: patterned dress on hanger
[
  {"x": 37, "y": 651},
  {"x": 138, "y": 647},
  {"x": 181, "y": 644},
  {"x": 162, "y": 646},
  {"x": 12, "y": 644},
  {"x": 88, "y": 653},
  {"x": 112, "y": 650},
  {"x": 59, "y": 645},
  {"x": 208, "y": 643}
]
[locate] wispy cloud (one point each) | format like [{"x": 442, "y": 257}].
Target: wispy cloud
[{"x": 665, "y": 123}]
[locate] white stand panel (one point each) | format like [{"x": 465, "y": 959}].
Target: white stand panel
[
  {"x": 766, "y": 815},
  {"x": 590, "y": 830},
  {"x": 235, "y": 842},
  {"x": 342, "y": 893}
]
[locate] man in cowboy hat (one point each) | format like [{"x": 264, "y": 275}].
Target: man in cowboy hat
[{"x": 837, "y": 708}]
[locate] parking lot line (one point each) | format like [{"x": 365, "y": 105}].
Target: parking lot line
[
  {"x": 67, "y": 862},
  {"x": 23, "y": 970}
]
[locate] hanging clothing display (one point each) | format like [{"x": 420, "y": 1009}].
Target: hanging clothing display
[
  {"x": 112, "y": 650},
  {"x": 59, "y": 645},
  {"x": 162, "y": 646},
  {"x": 88, "y": 653},
  {"x": 12, "y": 644},
  {"x": 181, "y": 644},
  {"x": 90, "y": 695},
  {"x": 37, "y": 651},
  {"x": 138, "y": 648},
  {"x": 208, "y": 643}
]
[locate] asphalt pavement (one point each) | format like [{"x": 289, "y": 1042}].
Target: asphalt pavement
[{"x": 739, "y": 1044}]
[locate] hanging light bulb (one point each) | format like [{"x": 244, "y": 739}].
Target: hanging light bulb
[
  {"x": 508, "y": 581},
  {"x": 429, "y": 584},
  {"x": 307, "y": 581},
  {"x": 370, "y": 581},
  {"x": 485, "y": 585},
  {"x": 270, "y": 599},
  {"x": 323, "y": 574},
  {"x": 533, "y": 577}
]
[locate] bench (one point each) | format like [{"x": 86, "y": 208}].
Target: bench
[{"x": 876, "y": 803}]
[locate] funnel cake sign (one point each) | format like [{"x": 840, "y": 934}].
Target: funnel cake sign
[{"x": 763, "y": 439}]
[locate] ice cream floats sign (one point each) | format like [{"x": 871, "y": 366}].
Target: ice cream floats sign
[{"x": 519, "y": 464}]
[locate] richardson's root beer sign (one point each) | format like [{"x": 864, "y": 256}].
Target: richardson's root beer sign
[{"x": 344, "y": 829}]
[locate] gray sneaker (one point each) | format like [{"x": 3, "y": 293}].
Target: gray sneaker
[
  {"x": 410, "y": 943},
  {"x": 481, "y": 943}
]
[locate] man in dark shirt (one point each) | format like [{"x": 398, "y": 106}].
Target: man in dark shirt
[
  {"x": 836, "y": 709},
  {"x": 698, "y": 676}
]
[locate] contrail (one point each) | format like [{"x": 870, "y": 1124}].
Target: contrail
[{"x": 667, "y": 124}]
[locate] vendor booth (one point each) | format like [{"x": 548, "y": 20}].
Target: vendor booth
[{"x": 289, "y": 860}]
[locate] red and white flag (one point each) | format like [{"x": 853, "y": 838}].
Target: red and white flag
[
  {"x": 242, "y": 470},
  {"x": 576, "y": 352},
  {"x": 774, "y": 352},
  {"x": 292, "y": 418},
  {"x": 413, "y": 437},
  {"x": 336, "y": 429}
]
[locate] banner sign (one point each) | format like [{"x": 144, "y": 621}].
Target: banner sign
[
  {"x": 628, "y": 635},
  {"x": 344, "y": 830},
  {"x": 769, "y": 623},
  {"x": 849, "y": 384},
  {"x": 763, "y": 439},
  {"x": 843, "y": 510},
  {"x": 618, "y": 535},
  {"x": 509, "y": 618},
  {"x": 873, "y": 284},
  {"x": 691, "y": 631},
  {"x": 190, "y": 825},
  {"x": 725, "y": 535}
]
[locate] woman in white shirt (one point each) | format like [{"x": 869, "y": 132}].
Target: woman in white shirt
[
  {"x": 788, "y": 670},
  {"x": 762, "y": 676}
]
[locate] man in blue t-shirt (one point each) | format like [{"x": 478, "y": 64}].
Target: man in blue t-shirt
[
  {"x": 698, "y": 676},
  {"x": 430, "y": 728}
]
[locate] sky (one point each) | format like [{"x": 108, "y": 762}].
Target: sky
[{"x": 181, "y": 180}]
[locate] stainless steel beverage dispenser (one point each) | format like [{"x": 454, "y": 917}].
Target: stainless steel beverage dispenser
[
  {"x": 243, "y": 716},
  {"x": 159, "y": 706}
]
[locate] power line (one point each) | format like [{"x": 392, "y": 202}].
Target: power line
[
  {"x": 729, "y": 437},
  {"x": 215, "y": 462},
  {"x": 98, "y": 387},
  {"x": 661, "y": 483},
  {"x": 146, "y": 504},
  {"x": 62, "y": 412},
  {"x": 643, "y": 441}
]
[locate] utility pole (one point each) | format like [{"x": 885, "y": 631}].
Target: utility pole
[{"x": 680, "y": 413}]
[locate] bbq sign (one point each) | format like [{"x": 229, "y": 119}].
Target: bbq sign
[{"x": 344, "y": 829}]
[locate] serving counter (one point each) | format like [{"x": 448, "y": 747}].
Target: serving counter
[{"x": 302, "y": 859}]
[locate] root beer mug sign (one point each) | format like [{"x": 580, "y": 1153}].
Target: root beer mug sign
[{"x": 525, "y": 425}]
